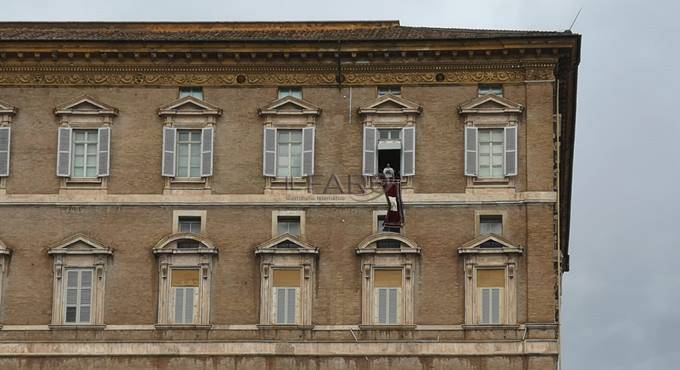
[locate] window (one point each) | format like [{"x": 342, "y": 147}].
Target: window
[
  {"x": 185, "y": 284},
  {"x": 490, "y": 224},
  {"x": 382, "y": 228},
  {"x": 490, "y": 90},
  {"x": 84, "y": 153},
  {"x": 196, "y": 92},
  {"x": 78, "y": 300},
  {"x": 491, "y": 152},
  {"x": 188, "y": 153},
  {"x": 190, "y": 224},
  {"x": 389, "y": 146},
  {"x": 387, "y": 284},
  {"x": 389, "y": 90},
  {"x": 490, "y": 286},
  {"x": 389, "y": 150},
  {"x": 289, "y": 225},
  {"x": 7, "y": 111},
  {"x": 295, "y": 92},
  {"x": 286, "y": 293},
  {"x": 289, "y": 153}
]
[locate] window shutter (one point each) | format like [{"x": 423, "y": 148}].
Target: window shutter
[
  {"x": 64, "y": 152},
  {"x": 189, "y": 305},
  {"x": 486, "y": 303},
  {"x": 308, "y": 151},
  {"x": 207, "y": 141},
  {"x": 408, "y": 151},
  {"x": 169, "y": 139},
  {"x": 369, "y": 151},
  {"x": 495, "y": 306},
  {"x": 511, "y": 151},
  {"x": 291, "y": 305},
  {"x": 5, "y": 137},
  {"x": 269, "y": 149},
  {"x": 104, "y": 149},
  {"x": 280, "y": 305},
  {"x": 470, "y": 151},
  {"x": 393, "y": 306},
  {"x": 382, "y": 306},
  {"x": 179, "y": 301}
]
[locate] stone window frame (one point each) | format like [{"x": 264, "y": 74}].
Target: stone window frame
[
  {"x": 85, "y": 113},
  {"x": 372, "y": 259},
  {"x": 278, "y": 115},
  {"x": 176, "y": 214},
  {"x": 7, "y": 113},
  {"x": 475, "y": 258},
  {"x": 272, "y": 257},
  {"x": 382, "y": 114},
  {"x": 188, "y": 113},
  {"x": 171, "y": 257},
  {"x": 286, "y": 213},
  {"x": 476, "y": 113},
  {"x": 383, "y": 212},
  {"x": 5, "y": 255},
  {"x": 79, "y": 252},
  {"x": 488, "y": 212}
]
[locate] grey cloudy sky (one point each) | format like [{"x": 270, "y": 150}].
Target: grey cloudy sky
[{"x": 622, "y": 295}]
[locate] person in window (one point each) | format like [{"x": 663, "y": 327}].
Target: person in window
[{"x": 388, "y": 172}]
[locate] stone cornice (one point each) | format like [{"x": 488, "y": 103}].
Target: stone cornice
[{"x": 215, "y": 75}]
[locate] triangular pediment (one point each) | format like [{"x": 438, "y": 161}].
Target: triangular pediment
[
  {"x": 189, "y": 105},
  {"x": 490, "y": 243},
  {"x": 6, "y": 108},
  {"x": 3, "y": 249},
  {"x": 85, "y": 105},
  {"x": 490, "y": 104},
  {"x": 286, "y": 244},
  {"x": 391, "y": 104},
  {"x": 290, "y": 105},
  {"x": 79, "y": 244}
]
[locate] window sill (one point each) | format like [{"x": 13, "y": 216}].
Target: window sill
[
  {"x": 183, "y": 326},
  {"x": 286, "y": 183},
  {"x": 187, "y": 183},
  {"x": 284, "y": 327},
  {"x": 89, "y": 183},
  {"x": 77, "y": 327},
  {"x": 491, "y": 327},
  {"x": 387, "y": 327}
]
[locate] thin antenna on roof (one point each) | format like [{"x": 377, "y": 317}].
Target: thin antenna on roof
[{"x": 575, "y": 18}]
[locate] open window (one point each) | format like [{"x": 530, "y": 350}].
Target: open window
[
  {"x": 288, "y": 142},
  {"x": 185, "y": 263},
  {"x": 83, "y": 143},
  {"x": 287, "y": 269},
  {"x": 491, "y": 142},
  {"x": 389, "y": 137},
  {"x": 490, "y": 280},
  {"x": 388, "y": 272},
  {"x": 188, "y": 141},
  {"x": 79, "y": 281}
]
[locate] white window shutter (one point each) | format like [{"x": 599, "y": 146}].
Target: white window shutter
[
  {"x": 511, "y": 151},
  {"x": 280, "y": 305},
  {"x": 382, "y": 306},
  {"x": 104, "y": 151},
  {"x": 64, "y": 152},
  {"x": 269, "y": 150},
  {"x": 408, "y": 151},
  {"x": 207, "y": 140},
  {"x": 292, "y": 300},
  {"x": 5, "y": 137},
  {"x": 370, "y": 140},
  {"x": 470, "y": 151},
  {"x": 308, "y": 151},
  {"x": 169, "y": 139}
]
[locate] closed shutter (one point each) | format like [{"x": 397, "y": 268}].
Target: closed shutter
[
  {"x": 382, "y": 306},
  {"x": 269, "y": 150},
  {"x": 392, "y": 306},
  {"x": 470, "y": 151},
  {"x": 511, "y": 151},
  {"x": 280, "y": 305},
  {"x": 308, "y": 151},
  {"x": 408, "y": 151},
  {"x": 207, "y": 141},
  {"x": 179, "y": 304},
  {"x": 64, "y": 152},
  {"x": 104, "y": 151},
  {"x": 369, "y": 151},
  {"x": 169, "y": 139},
  {"x": 486, "y": 305},
  {"x": 292, "y": 300},
  {"x": 5, "y": 137}
]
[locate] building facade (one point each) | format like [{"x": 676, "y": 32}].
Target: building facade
[{"x": 205, "y": 195}]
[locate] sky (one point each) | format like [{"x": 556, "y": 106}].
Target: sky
[{"x": 621, "y": 298}]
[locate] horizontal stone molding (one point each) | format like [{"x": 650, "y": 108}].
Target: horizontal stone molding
[
  {"x": 247, "y": 348},
  {"x": 283, "y": 199}
]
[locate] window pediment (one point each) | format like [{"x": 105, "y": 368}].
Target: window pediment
[
  {"x": 370, "y": 244},
  {"x": 170, "y": 244},
  {"x": 285, "y": 244},
  {"x": 85, "y": 105},
  {"x": 7, "y": 110},
  {"x": 490, "y": 104},
  {"x": 80, "y": 244},
  {"x": 189, "y": 106},
  {"x": 289, "y": 105},
  {"x": 391, "y": 104},
  {"x": 4, "y": 251},
  {"x": 490, "y": 244}
]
